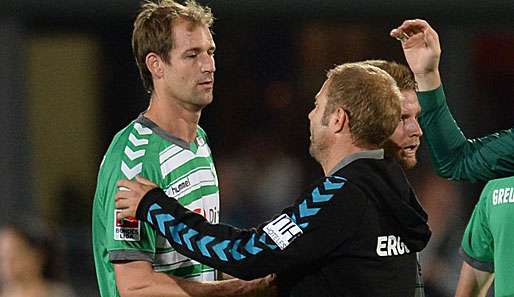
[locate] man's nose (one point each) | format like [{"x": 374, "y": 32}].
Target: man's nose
[
  {"x": 208, "y": 64},
  {"x": 415, "y": 128}
]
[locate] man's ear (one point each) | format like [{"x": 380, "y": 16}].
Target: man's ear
[
  {"x": 155, "y": 65},
  {"x": 338, "y": 120}
]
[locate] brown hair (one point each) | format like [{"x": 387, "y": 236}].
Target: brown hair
[
  {"x": 371, "y": 99},
  {"x": 400, "y": 73},
  {"x": 153, "y": 30}
]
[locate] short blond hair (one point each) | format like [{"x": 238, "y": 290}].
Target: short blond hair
[
  {"x": 153, "y": 30},
  {"x": 399, "y": 72},
  {"x": 371, "y": 99}
]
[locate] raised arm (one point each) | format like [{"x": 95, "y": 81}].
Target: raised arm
[{"x": 454, "y": 156}]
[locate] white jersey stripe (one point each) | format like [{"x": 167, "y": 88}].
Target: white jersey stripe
[
  {"x": 190, "y": 183},
  {"x": 176, "y": 161},
  {"x": 169, "y": 152}
]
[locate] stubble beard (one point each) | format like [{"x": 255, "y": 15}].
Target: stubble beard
[
  {"x": 200, "y": 100},
  {"x": 316, "y": 151},
  {"x": 408, "y": 162},
  {"x": 393, "y": 150}
]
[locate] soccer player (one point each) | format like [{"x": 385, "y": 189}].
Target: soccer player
[
  {"x": 487, "y": 243},
  {"x": 454, "y": 156},
  {"x": 174, "y": 51},
  {"x": 404, "y": 143},
  {"x": 353, "y": 233}
]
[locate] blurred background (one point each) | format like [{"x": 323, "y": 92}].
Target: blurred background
[{"x": 68, "y": 83}]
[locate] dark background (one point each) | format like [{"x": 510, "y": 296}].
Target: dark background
[{"x": 68, "y": 83}]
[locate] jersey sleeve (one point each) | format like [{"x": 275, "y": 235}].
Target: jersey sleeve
[
  {"x": 477, "y": 243},
  {"x": 127, "y": 240},
  {"x": 453, "y": 155},
  {"x": 301, "y": 235},
  {"x": 129, "y": 155}
]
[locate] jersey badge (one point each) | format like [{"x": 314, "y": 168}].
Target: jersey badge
[
  {"x": 283, "y": 231},
  {"x": 127, "y": 229}
]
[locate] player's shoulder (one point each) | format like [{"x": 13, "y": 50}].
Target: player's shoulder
[
  {"x": 500, "y": 186},
  {"x": 334, "y": 185},
  {"x": 499, "y": 183},
  {"x": 131, "y": 146},
  {"x": 134, "y": 135}
]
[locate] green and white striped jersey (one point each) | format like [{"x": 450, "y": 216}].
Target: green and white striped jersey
[{"x": 185, "y": 171}]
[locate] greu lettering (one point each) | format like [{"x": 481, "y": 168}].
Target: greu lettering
[{"x": 502, "y": 196}]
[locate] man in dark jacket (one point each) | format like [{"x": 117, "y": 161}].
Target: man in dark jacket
[{"x": 355, "y": 232}]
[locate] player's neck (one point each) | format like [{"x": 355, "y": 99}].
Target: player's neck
[
  {"x": 174, "y": 118},
  {"x": 337, "y": 153}
]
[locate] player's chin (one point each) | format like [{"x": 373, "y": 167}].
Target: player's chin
[
  {"x": 409, "y": 162},
  {"x": 204, "y": 99}
]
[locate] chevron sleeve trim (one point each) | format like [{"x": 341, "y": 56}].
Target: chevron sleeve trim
[{"x": 150, "y": 198}]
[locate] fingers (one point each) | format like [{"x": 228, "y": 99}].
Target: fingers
[
  {"x": 126, "y": 185},
  {"x": 122, "y": 214},
  {"x": 121, "y": 203},
  {"x": 130, "y": 194},
  {"x": 410, "y": 28},
  {"x": 399, "y": 35},
  {"x": 123, "y": 194},
  {"x": 126, "y": 199},
  {"x": 139, "y": 184},
  {"x": 124, "y": 204},
  {"x": 145, "y": 181},
  {"x": 432, "y": 38}
]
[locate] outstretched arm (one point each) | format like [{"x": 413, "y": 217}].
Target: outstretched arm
[{"x": 282, "y": 245}]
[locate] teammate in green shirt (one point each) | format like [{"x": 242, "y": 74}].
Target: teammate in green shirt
[
  {"x": 453, "y": 155},
  {"x": 486, "y": 240},
  {"x": 489, "y": 237},
  {"x": 174, "y": 51}
]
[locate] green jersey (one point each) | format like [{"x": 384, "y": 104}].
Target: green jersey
[
  {"x": 185, "y": 171},
  {"x": 488, "y": 242},
  {"x": 453, "y": 155}
]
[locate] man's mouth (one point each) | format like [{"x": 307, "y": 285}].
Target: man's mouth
[
  {"x": 206, "y": 82},
  {"x": 411, "y": 149}
]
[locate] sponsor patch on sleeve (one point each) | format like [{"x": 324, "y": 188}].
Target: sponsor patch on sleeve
[
  {"x": 283, "y": 231},
  {"x": 128, "y": 229}
]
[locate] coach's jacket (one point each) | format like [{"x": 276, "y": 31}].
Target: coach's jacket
[{"x": 353, "y": 233}]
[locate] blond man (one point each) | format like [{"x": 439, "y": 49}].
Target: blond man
[{"x": 174, "y": 51}]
